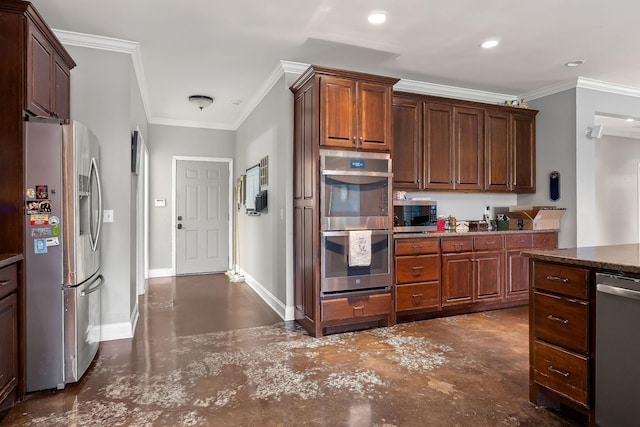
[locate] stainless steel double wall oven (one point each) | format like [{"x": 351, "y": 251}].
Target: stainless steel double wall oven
[{"x": 355, "y": 194}]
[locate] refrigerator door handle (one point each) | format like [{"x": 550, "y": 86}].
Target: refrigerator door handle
[
  {"x": 90, "y": 290},
  {"x": 94, "y": 168}
]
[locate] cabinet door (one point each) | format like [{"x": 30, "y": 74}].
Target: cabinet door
[
  {"x": 407, "y": 144},
  {"x": 469, "y": 148},
  {"x": 438, "y": 147},
  {"x": 489, "y": 275},
  {"x": 9, "y": 346},
  {"x": 524, "y": 153},
  {"x": 337, "y": 112},
  {"x": 61, "y": 85},
  {"x": 39, "y": 60},
  {"x": 517, "y": 276},
  {"x": 374, "y": 116},
  {"x": 457, "y": 279},
  {"x": 497, "y": 153}
]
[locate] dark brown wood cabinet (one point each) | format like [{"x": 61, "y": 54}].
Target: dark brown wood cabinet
[
  {"x": 517, "y": 279},
  {"x": 510, "y": 151},
  {"x": 343, "y": 110},
  {"x": 48, "y": 73},
  {"x": 443, "y": 144},
  {"x": 407, "y": 144},
  {"x": 9, "y": 337},
  {"x": 457, "y": 273},
  {"x": 561, "y": 331},
  {"x": 355, "y": 113}
]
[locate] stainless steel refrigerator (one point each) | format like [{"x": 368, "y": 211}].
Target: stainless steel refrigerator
[{"x": 63, "y": 208}]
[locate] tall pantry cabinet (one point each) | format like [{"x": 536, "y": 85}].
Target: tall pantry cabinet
[
  {"x": 342, "y": 110},
  {"x": 34, "y": 81}
]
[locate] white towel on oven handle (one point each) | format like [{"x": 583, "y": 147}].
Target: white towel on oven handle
[{"x": 359, "y": 248}]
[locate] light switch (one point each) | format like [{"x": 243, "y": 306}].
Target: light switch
[
  {"x": 160, "y": 203},
  {"x": 107, "y": 215}
]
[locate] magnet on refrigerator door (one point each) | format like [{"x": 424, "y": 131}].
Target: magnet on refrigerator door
[{"x": 40, "y": 246}]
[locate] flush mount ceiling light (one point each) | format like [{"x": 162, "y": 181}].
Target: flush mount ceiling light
[
  {"x": 377, "y": 17},
  {"x": 575, "y": 63},
  {"x": 201, "y": 101},
  {"x": 489, "y": 44}
]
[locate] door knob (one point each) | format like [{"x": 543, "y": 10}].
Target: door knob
[
  {"x": 179, "y": 217},
  {"x": 179, "y": 226}
]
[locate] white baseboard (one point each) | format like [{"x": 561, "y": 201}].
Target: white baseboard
[
  {"x": 134, "y": 319},
  {"x": 287, "y": 313},
  {"x": 116, "y": 331},
  {"x": 160, "y": 272}
]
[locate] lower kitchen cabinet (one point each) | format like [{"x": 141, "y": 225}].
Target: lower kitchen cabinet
[
  {"x": 355, "y": 306},
  {"x": 9, "y": 336},
  {"x": 457, "y": 273}
]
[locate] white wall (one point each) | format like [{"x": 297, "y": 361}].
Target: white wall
[
  {"x": 617, "y": 190},
  {"x": 556, "y": 151},
  {"x": 164, "y": 142},
  {"x": 101, "y": 99},
  {"x": 265, "y": 250},
  {"x": 588, "y": 103}
]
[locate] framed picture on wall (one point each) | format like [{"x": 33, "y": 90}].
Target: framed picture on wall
[{"x": 252, "y": 187}]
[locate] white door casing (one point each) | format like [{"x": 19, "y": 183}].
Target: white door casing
[{"x": 201, "y": 215}]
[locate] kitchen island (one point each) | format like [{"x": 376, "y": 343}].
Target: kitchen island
[{"x": 563, "y": 326}]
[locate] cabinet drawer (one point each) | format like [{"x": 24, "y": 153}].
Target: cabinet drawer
[
  {"x": 486, "y": 243},
  {"x": 561, "y": 321},
  {"x": 419, "y": 295},
  {"x": 564, "y": 280},
  {"x": 421, "y": 268},
  {"x": 8, "y": 280},
  {"x": 457, "y": 244},
  {"x": 519, "y": 241},
  {"x": 354, "y": 307},
  {"x": 417, "y": 246},
  {"x": 545, "y": 240},
  {"x": 562, "y": 371}
]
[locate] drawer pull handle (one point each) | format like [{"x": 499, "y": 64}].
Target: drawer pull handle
[
  {"x": 416, "y": 246},
  {"x": 358, "y": 307},
  {"x": 417, "y": 267},
  {"x": 557, "y": 319},
  {"x": 416, "y": 296},
  {"x": 558, "y": 279},
  {"x": 5, "y": 282},
  {"x": 556, "y": 371}
]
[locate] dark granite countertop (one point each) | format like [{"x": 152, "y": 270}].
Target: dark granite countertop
[
  {"x": 400, "y": 235},
  {"x": 613, "y": 257},
  {"x": 8, "y": 259}
]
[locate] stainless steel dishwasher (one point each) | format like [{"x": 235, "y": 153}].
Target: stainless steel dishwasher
[{"x": 617, "y": 350}]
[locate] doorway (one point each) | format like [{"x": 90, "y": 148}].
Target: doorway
[{"x": 202, "y": 193}]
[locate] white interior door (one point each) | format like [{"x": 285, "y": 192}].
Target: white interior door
[{"x": 202, "y": 216}]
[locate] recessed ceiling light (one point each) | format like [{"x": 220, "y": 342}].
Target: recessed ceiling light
[
  {"x": 377, "y": 17},
  {"x": 489, "y": 44},
  {"x": 575, "y": 63},
  {"x": 630, "y": 119}
]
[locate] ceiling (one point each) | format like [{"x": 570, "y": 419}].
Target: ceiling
[{"x": 228, "y": 49}]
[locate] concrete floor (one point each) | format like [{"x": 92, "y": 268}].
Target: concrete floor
[{"x": 211, "y": 353}]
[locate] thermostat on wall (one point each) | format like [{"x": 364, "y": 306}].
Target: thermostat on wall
[{"x": 160, "y": 203}]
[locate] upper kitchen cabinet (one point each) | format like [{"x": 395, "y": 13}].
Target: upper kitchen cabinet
[
  {"x": 48, "y": 72},
  {"x": 355, "y": 109},
  {"x": 35, "y": 60},
  {"x": 407, "y": 143},
  {"x": 510, "y": 144},
  {"x": 462, "y": 145}
]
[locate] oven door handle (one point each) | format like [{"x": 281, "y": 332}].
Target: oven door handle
[{"x": 333, "y": 172}]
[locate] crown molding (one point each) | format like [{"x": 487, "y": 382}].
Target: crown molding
[
  {"x": 113, "y": 45},
  {"x": 425, "y": 88},
  {"x": 549, "y": 90},
  {"x": 296, "y": 68},
  {"x": 190, "y": 124},
  {"x": 603, "y": 86}
]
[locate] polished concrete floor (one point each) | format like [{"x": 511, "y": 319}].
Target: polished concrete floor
[{"x": 211, "y": 353}]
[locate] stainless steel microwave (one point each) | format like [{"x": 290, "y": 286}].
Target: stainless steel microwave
[{"x": 415, "y": 215}]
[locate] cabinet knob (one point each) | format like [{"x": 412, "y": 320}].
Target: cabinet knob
[{"x": 354, "y": 139}]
